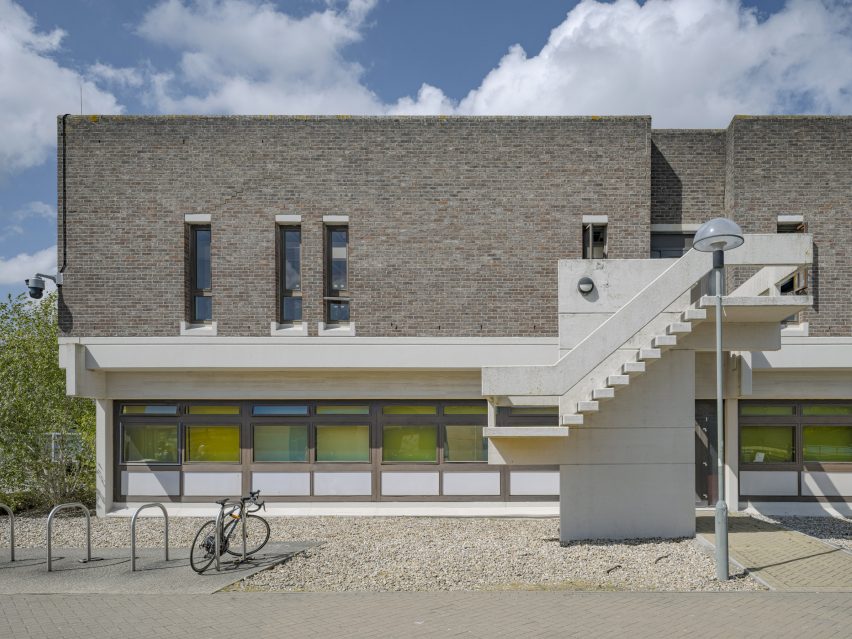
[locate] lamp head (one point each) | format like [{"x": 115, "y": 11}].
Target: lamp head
[
  {"x": 585, "y": 285},
  {"x": 719, "y": 234}
]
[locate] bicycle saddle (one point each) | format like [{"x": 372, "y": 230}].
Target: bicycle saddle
[{"x": 222, "y": 502}]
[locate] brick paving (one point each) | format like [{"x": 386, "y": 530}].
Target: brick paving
[
  {"x": 783, "y": 559},
  {"x": 435, "y": 614}
]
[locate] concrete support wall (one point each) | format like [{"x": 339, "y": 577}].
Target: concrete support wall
[
  {"x": 732, "y": 455},
  {"x": 103, "y": 456},
  {"x": 633, "y": 473}
]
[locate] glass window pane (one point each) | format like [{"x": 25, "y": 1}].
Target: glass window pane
[
  {"x": 292, "y": 259},
  {"x": 466, "y": 410},
  {"x": 203, "y": 308},
  {"x": 202, "y": 259},
  {"x": 827, "y": 443},
  {"x": 201, "y": 409},
  {"x": 291, "y": 309},
  {"x": 338, "y": 275},
  {"x": 465, "y": 444},
  {"x": 339, "y": 409},
  {"x": 409, "y": 410},
  {"x": 278, "y": 409},
  {"x": 826, "y": 409},
  {"x": 152, "y": 443},
  {"x": 213, "y": 443},
  {"x": 343, "y": 443},
  {"x": 403, "y": 443},
  {"x": 534, "y": 410},
  {"x": 767, "y": 444},
  {"x": 766, "y": 409},
  {"x": 280, "y": 443},
  {"x": 149, "y": 409},
  {"x": 338, "y": 311}
]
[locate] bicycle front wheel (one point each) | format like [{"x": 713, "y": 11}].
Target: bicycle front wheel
[
  {"x": 257, "y": 534},
  {"x": 203, "y": 550}
]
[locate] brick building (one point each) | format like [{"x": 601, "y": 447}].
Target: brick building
[{"x": 331, "y": 308}]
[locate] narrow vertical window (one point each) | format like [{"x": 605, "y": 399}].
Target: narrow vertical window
[
  {"x": 201, "y": 276},
  {"x": 594, "y": 241},
  {"x": 797, "y": 283},
  {"x": 291, "y": 274},
  {"x": 337, "y": 274}
]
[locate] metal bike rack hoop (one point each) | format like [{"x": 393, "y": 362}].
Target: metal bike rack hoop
[
  {"x": 50, "y": 517},
  {"x": 133, "y": 532},
  {"x": 11, "y": 531}
]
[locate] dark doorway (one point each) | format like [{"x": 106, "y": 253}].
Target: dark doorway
[{"x": 705, "y": 452}]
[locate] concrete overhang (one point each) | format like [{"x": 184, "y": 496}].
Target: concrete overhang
[
  {"x": 761, "y": 309},
  {"x": 494, "y": 432}
]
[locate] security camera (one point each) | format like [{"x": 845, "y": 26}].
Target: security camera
[{"x": 36, "y": 286}]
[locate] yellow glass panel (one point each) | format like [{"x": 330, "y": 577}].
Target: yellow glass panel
[
  {"x": 827, "y": 443},
  {"x": 812, "y": 410},
  {"x": 405, "y": 443},
  {"x": 149, "y": 409},
  {"x": 465, "y": 444},
  {"x": 340, "y": 409},
  {"x": 466, "y": 410},
  {"x": 410, "y": 410},
  {"x": 766, "y": 409},
  {"x": 151, "y": 443},
  {"x": 213, "y": 443},
  {"x": 343, "y": 443},
  {"x": 214, "y": 410},
  {"x": 767, "y": 444}
]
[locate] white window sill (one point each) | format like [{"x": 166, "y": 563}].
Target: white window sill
[
  {"x": 795, "y": 330},
  {"x": 295, "y": 329},
  {"x": 344, "y": 329},
  {"x": 201, "y": 330}
]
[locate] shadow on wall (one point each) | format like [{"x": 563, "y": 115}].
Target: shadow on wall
[
  {"x": 66, "y": 317},
  {"x": 666, "y": 190}
]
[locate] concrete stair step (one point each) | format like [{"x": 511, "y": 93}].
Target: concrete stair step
[
  {"x": 588, "y": 407},
  {"x": 679, "y": 328},
  {"x": 618, "y": 380},
  {"x": 664, "y": 341},
  {"x": 603, "y": 393},
  {"x": 694, "y": 315},
  {"x": 632, "y": 368},
  {"x": 572, "y": 419},
  {"x": 646, "y": 354}
]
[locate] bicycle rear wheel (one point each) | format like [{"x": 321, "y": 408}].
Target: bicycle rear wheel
[
  {"x": 203, "y": 550},
  {"x": 257, "y": 534}
]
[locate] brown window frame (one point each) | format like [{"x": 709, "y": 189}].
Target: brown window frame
[
  {"x": 284, "y": 292},
  {"x": 193, "y": 273},
  {"x": 588, "y": 240},
  {"x": 333, "y": 296}
]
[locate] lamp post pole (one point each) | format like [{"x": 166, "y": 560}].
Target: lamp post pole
[{"x": 721, "y": 529}]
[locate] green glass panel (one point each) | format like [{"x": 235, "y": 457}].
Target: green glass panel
[
  {"x": 466, "y": 410},
  {"x": 278, "y": 410},
  {"x": 410, "y": 410},
  {"x": 827, "y": 443},
  {"x": 465, "y": 444},
  {"x": 343, "y": 443},
  {"x": 534, "y": 410},
  {"x": 149, "y": 409},
  {"x": 152, "y": 443},
  {"x": 826, "y": 409},
  {"x": 405, "y": 443},
  {"x": 340, "y": 409},
  {"x": 213, "y": 443},
  {"x": 767, "y": 444},
  {"x": 766, "y": 409},
  {"x": 213, "y": 410},
  {"x": 280, "y": 443}
]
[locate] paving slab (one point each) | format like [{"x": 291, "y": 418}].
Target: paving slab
[
  {"x": 111, "y": 573},
  {"x": 780, "y": 558}
]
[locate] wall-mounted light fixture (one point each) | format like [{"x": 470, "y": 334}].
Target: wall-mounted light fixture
[{"x": 586, "y": 285}]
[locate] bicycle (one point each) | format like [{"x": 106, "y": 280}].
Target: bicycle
[{"x": 203, "y": 551}]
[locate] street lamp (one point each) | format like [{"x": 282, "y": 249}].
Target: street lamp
[{"x": 717, "y": 236}]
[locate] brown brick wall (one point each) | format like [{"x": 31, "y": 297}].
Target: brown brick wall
[
  {"x": 687, "y": 175},
  {"x": 456, "y": 224},
  {"x": 799, "y": 165}
]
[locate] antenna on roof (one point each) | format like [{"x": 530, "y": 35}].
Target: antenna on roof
[{"x": 81, "y": 97}]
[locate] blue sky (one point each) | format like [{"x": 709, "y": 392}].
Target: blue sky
[{"x": 688, "y": 63}]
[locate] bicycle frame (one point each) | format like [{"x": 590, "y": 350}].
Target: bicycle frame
[{"x": 243, "y": 509}]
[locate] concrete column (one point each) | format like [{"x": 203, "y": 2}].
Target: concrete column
[
  {"x": 103, "y": 456},
  {"x": 732, "y": 455},
  {"x": 492, "y": 413}
]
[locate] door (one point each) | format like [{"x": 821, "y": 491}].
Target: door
[{"x": 705, "y": 452}]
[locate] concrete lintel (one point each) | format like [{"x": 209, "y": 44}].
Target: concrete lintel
[
  {"x": 288, "y": 219},
  {"x": 197, "y": 218}
]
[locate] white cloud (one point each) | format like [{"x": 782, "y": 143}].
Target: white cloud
[
  {"x": 240, "y": 56},
  {"x": 34, "y": 89},
  {"x": 120, "y": 76},
  {"x": 15, "y": 270},
  {"x": 691, "y": 63},
  {"x": 12, "y": 224}
]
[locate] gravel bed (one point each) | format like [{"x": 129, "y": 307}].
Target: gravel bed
[
  {"x": 423, "y": 554},
  {"x": 834, "y": 530}
]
